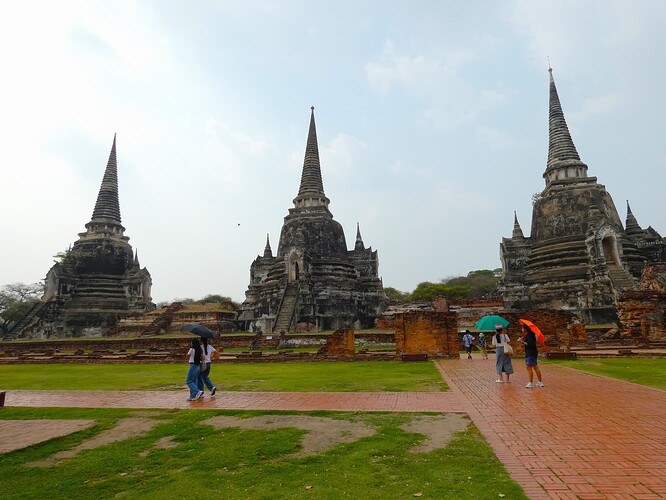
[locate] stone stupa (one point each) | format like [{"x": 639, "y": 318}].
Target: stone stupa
[
  {"x": 314, "y": 282},
  {"x": 578, "y": 256},
  {"x": 97, "y": 281}
]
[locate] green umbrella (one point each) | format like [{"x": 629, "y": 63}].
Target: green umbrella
[{"x": 491, "y": 322}]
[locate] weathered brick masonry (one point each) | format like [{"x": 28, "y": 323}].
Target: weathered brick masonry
[
  {"x": 340, "y": 343},
  {"x": 427, "y": 332}
]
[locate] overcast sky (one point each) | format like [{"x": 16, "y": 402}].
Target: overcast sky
[{"x": 432, "y": 119}]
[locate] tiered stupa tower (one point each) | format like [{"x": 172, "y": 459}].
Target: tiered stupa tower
[
  {"x": 97, "y": 281},
  {"x": 578, "y": 256},
  {"x": 314, "y": 282}
]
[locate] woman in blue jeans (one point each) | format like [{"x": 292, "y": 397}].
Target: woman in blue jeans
[
  {"x": 204, "y": 376},
  {"x": 195, "y": 356}
]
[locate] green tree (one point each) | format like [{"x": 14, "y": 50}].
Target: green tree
[
  {"x": 481, "y": 283},
  {"x": 395, "y": 295},
  {"x": 208, "y": 299},
  {"x": 429, "y": 291},
  {"x": 211, "y": 298},
  {"x": 16, "y": 300},
  {"x": 185, "y": 300},
  {"x": 536, "y": 197},
  {"x": 61, "y": 257}
]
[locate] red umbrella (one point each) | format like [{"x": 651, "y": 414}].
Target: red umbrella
[{"x": 532, "y": 327}]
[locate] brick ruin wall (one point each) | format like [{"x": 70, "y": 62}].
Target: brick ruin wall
[
  {"x": 642, "y": 316},
  {"x": 340, "y": 343},
  {"x": 642, "y": 313},
  {"x": 427, "y": 332},
  {"x": 560, "y": 331},
  {"x": 416, "y": 332},
  {"x": 492, "y": 303}
]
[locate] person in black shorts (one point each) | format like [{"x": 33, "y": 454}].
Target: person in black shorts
[
  {"x": 468, "y": 341},
  {"x": 531, "y": 354}
]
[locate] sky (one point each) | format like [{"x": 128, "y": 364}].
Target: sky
[{"x": 432, "y": 121}]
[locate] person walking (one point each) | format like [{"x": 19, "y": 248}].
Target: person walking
[
  {"x": 503, "y": 363},
  {"x": 482, "y": 346},
  {"x": 531, "y": 353},
  {"x": 208, "y": 352},
  {"x": 468, "y": 341},
  {"x": 195, "y": 356}
]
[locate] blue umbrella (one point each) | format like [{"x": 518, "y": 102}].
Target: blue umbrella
[
  {"x": 199, "y": 330},
  {"x": 491, "y": 322}
]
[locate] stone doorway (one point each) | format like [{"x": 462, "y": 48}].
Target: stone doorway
[
  {"x": 609, "y": 246},
  {"x": 294, "y": 269}
]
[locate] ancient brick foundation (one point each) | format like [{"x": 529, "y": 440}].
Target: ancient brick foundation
[
  {"x": 427, "y": 332},
  {"x": 440, "y": 304},
  {"x": 642, "y": 313},
  {"x": 559, "y": 330},
  {"x": 492, "y": 303},
  {"x": 340, "y": 343},
  {"x": 642, "y": 316},
  {"x": 385, "y": 323}
]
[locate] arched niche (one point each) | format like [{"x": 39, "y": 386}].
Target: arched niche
[
  {"x": 294, "y": 267},
  {"x": 609, "y": 247}
]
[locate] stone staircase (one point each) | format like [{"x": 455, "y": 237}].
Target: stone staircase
[
  {"x": 621, "y": 279},
  {"x": 163, "y": 321},
  {"x": 285, "y": 315},
  {"x": 25, "y": 320},
  {"x": 266, "y": 341},
  {"x": 93, "y": 286}
]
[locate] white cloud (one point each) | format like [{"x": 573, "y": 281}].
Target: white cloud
[
  {"x": 342, "y": 154},
  {"x": 496, "y": 139},
  {"x": 571, "y": 32},
  {"x": 415, "y": 73},
  {"x": 600, "y": 106},
  {"x": 449, "y": 98},
  {"x": 396, "y": 167}
]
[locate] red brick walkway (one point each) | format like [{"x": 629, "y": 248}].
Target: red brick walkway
[
  {"x": 581, "y": 436},
  {"x": 302, "y": 401}
]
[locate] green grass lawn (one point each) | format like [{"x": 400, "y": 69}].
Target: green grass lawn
[
  {"x": 229, "y": 462},
  {"x": 644, "y": 371},
  {"x": 290, "y": 376}
]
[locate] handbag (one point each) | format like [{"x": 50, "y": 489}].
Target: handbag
[
  {"x": 508, "y": 350},
  {"x": 203, "y": 364}
]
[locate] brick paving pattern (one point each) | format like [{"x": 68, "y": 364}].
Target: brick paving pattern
[
  {"x": 301, "y": 401},
  {"x": 17, "y": 434},
  {"x": 581, "y": 436}
]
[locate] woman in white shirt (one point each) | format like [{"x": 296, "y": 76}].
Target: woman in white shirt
[
  {"x": 195, "y": 356},
  {"x": 503, "y": 363}
]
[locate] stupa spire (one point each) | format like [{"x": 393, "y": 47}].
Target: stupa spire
[
  {"x": 517, "y": 230},
  {"x": 631, "y": 224},
  {"x": 267, "y": 250},
  {"x": 563, "y": 159},
  {"x": 359, "y": 241},
  {"x": 107, "y": 207},
  {"x": 311, "y": 190}
]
